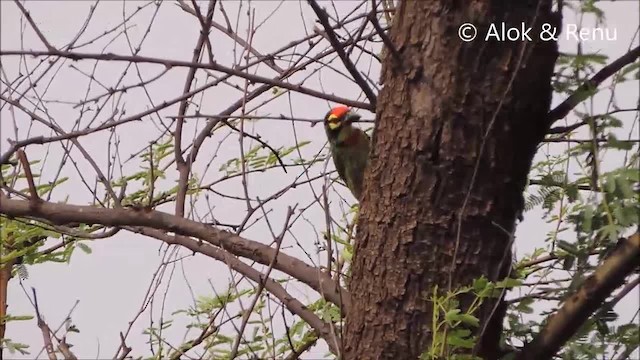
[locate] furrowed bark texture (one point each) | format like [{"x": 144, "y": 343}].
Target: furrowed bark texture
[{"x": 437, "y": 103}]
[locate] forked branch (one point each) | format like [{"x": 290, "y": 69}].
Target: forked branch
[
  {"x": 584, "y": 90},
  {"x": 577, "y": 309},
  {"x": 239, "y": 246}
]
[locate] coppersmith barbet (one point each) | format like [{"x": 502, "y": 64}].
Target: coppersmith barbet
[{"x": 349, "y": 147}]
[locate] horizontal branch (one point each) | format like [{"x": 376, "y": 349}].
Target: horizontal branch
[
  {"x": 209, "y": 66},
  {"x": 547, "y": 182},
  {"x": 589, "y": 141},
  {"x": 239, "y": 246},
  {"x": 550, "y": 257},
  {"x": 576, "y": 310},
  {"x": 585, "y": 121},
  {"x": 110, "y": 123},
  {"x": 583, "y": 91},
  {"x": 259, "y": 117}
]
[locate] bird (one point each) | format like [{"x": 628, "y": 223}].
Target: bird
[{"x": 349, "y": 147}]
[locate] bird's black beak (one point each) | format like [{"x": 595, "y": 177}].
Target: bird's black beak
[{"x": 351, "y": 118}]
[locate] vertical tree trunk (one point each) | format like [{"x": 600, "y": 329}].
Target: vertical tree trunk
[{"x": 438, "y": 102}]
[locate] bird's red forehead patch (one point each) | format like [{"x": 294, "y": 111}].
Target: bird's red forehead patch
[{"x": 339, "y": 111}]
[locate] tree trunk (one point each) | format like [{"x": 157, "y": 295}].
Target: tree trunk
[{"x": 457, "y": 127}]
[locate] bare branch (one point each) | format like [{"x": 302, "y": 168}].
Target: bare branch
[
  {"x": 268, "y": 60},
  {"x": 333, "y": 39},
  {"x": 259, "y": 140},
  {"x": 125, "y": 349},
  {"x": 577, "y": 309},
  {"x": 373, "y": 18},
  {"x": 619, "y": 296},
  {"x": 34, "y": 26},
  {"x": 560, "y": 184},
  {"x": 293, "y": 304},
  {"x": 65, "y": 349},
  {"x": 281, "y": 117},
  {"x": 178, "y": 63},
  {"x": 261, "y": 286},
  {"x": 184, "y": 168},
  {"x": 63, "y": 213},
  {"x": 550, "y": 257},
  {"x": 33, "y": 192},
  {"x": 583, "y": 91},
  {"x": 296, "y": 353},
  {"x": 44, "y": 328},
  {"x": 54, "y": 127}
]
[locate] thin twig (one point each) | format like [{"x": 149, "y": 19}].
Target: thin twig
[
  {"x": 373, "y": 18},
  {"x": 33, "y": 192},
  {"x": 588, "y": 298},
  {"x": 339, "y": 48},
  {"x": 261, "y": 285},
  {"x": 584, "y": 90},
  {"x": 44, "y": 328},
  {"x": 179, "y": 63},
  {"x": 261, "y": 117},
  {"x": 34, "y": 26},
  {"x": 184, "y": 167},
  {"x": 63, "y": 213}
]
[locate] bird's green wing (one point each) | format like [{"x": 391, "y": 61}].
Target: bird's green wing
[
  {"x": 359, "y": 156},
  {"x": 338, "y": 161}
]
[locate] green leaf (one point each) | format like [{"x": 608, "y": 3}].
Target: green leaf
[
  {"x": 568, "y": 262},
  {"x": 347, "y": 254},
  {"x": 480, "y": 284},
  {"x": 469, "y": 320},
  {"x": 568, "y": 247},
  {"x": 610, "y": 231},
  {"x": 508, "y": 283},
  {"x": 587, "y": 219},
  {"x": 452, "y": 316},
  {"x": 14, "y": 347},
  {"x": 8, "y": 318},
  {"x": 613, "y": 142},
  {"x": 625, "y": 188},
  {"x": 572, "y": 192},
  {"x": 524, "y": 305},
  {"x": 458, "y": 341},
  {"x": 84, "y": 247},
  {"x": 610, "y": 184}
]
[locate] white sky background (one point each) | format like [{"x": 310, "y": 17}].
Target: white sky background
[{"x": 110, "y": 283}]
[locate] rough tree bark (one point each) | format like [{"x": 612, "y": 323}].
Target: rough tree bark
[{"x": 440, "y": 97}]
